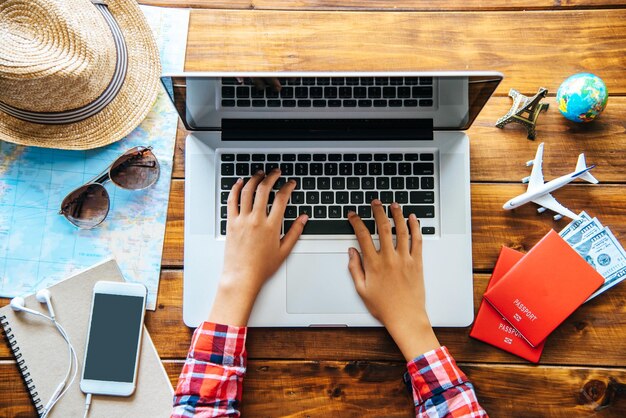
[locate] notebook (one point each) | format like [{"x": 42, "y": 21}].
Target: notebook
[
  {"x": 42, "y": 355},
  {"x": 544, "y": 288}
]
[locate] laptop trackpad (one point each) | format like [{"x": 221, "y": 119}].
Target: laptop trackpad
[{"x": 321, "y": 284}]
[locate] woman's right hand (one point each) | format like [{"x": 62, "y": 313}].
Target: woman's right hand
[{"x": 390, "y": 280}]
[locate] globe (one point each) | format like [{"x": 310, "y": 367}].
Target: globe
[{"x": 582, "y": 97}]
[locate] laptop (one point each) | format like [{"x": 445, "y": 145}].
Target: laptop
[{"x": 347, "y": 138}]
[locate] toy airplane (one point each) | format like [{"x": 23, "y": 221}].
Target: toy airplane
[{"x": 539, "y": 192}]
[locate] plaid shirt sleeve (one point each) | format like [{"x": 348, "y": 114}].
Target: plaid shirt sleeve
[
  {"x": 440, "y": 388},
  {"x": 210, "y": 384}
]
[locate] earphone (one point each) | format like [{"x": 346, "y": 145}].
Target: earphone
[{"x": 43, "y": 296}]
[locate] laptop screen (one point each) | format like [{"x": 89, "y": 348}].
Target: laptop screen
[{"x": 436, "y": 101}]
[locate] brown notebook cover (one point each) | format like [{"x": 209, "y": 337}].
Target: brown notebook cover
[{"x": 42, "y": 354}]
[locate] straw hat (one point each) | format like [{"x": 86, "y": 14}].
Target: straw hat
[{"x": 74, "y": 74}]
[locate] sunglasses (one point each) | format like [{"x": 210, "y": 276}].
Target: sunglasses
[{"x": 87, "y": 206}]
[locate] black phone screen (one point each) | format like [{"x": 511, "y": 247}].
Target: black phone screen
[{"x": 113, "y": 337}]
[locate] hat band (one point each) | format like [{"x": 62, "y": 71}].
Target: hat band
[{"x": 107, "y": 96}]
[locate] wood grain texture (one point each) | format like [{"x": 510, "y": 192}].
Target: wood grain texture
[
  {"x": 375, "y": 389},
  {"x": 382, "y": 5},
  {"x": 492, "y": 226},
  {"x": 596, "y": 327},
  {"x": 300, "y": 41},
  {"x": 499, "y": 155}
]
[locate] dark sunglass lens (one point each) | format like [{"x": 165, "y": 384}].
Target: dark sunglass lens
[
  {"x": 87, "y": 206},
  {"x": 137, "y": 169}
]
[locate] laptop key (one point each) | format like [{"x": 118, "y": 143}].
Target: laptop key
[
  {"x": 345, "y": 169},
  {"x": 404, "y": 92},
  {"x": 386, "y": 197},
  {"x": 304, "y": 157},
  {"x": 308, "y": 210},
  {"x": 349, "y": 157},
  {"x": 312, "y": 198},
  {"x": 395, "y": 103},
  {"x": 390, "y": 169},
  {"x": 319, "y": 212},
  {"x": 349, "y": 103},
  {"x": 382, "y": 183},
  {"x": 360, "y": 169},
  {"x": 410, "y": 103},
  {"x": 228, "y": 157},
  {"x": 369, "y": 196},
  {"x": 328, "y": 198},
  {"x": 323, "y": 183},
  {"x": 228, "y": 92},
  {"x": 290, "y": 103},
  {"x": 356, "y": 198},
  {"x": 364, "y": 211},
  {"x": 422, "y": 92},
  {"x": 427, "y": 157},
  {"x": 243, "y": 157},
  {"x": 316, "y": 169},
  {"x": 374, "y": 92},
  {"x": 243, "y": 103},
  {"x": 375, "y": 169},
  {"x": 397, "y": 183},
  {"x": 319, "y": 103},
  {"x": 427, "y": 169},
  {"x": 224, "y": 197},
  {"x": 380, "y": 103},
  {"x": 297, "y": 198},
  {"x": 304, "y": 103},
  {"x": 412, "y": 183},
  {"x": 258, "y": 157},
  {"x": 223, "y": 227},
  {"x": 227, "y": 183},
  {"x": 256, "y": 167},
  {"x": 243, "y": 92},
  {"x": 380, "y": 157},
  {"x": 301, "y": 92},
  {"x": 428, "y": 230},
  {"x": 348, "y": 208},
  {"x": 319, "y": 157},
  {"x": 331, "y": 169},
  {"x": 287, "y": 92},
  {"x": 274, "y": 103},
  {"x": 334, "y": 103},
  {"x": 404, "y": 169},
  {"x": 395, "y": 157},
  {"x": 338, "y": 183},
  {"x": 291, "y": 212},
  {"x": 330, "y": 227},
  {"x": 289, "y": 157},
  {"x": 308, "y": 183},
  {"x": 228, "y": 169},
  {"x": 389, "y": 92},
  {"x": 334, "y": 211},
  {"x": 426, "y": 103},
  {"x": 422, "y": 197},
  {"x": 421, "y": 211},
  {"x": 428, "y": 183},
  {"x": 287, "y": 169},
  {"x": 411, "y": 157},
  {"x": 302, "y": 169},
  {"x": 353, "y": 183},
  {"x": 367, "y": 183},
  {"x": 402, "y": 197},
  {"x": 342, "y": 197}
]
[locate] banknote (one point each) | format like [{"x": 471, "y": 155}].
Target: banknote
[
  {"x": 605, "y": 254},
  {"x": 585, "y": 231},
  {"x": 575, "y": 224}
]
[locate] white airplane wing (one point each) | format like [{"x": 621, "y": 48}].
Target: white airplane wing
[
  {"x": 536, "y": 175},
  {"x": 549, "y": 202}
]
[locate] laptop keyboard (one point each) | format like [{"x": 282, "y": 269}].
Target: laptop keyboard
[
  {"x": 331, "y": 184},
  {"x": 330, "y": 92}
]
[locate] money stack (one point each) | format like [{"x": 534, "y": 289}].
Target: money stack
[{"x": 599, "y": 247}]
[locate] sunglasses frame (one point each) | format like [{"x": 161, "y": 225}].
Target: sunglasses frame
[{"x": 105, "y": 176}]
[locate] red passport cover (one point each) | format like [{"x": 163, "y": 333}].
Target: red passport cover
[
  {"x": 544, "y": 288},
  {"x": 490, "y": 327}
]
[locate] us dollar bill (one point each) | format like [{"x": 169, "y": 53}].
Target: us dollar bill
[
  {"x": 605, "y": 254},
  {"x": 574, "y": 225},
  {"x": 585, "y": 231}
]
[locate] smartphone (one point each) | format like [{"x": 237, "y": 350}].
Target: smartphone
[{"x": 113, "y": 339}]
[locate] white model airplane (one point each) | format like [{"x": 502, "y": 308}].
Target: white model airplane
[{"x": 539, "y": 192}]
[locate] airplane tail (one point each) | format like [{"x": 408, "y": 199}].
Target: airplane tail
[{"x": 581, "y": 166}]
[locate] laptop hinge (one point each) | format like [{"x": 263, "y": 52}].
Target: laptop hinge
[{"x": 327, "y": 129}]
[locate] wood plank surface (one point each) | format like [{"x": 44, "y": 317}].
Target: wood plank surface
[
  {"x": 382, "y": 5},
  {"x": 375, "y": 389},
  {"x": 543, "y": 55},
  {"x": 499, "y": 155},
  {"x": 492, "y": 226},
  {"x": 597, "y": 327}
]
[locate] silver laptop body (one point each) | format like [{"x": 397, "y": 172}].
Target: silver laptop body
[{"x": 351, "y": 137}]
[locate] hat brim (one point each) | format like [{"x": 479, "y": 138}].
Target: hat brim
[{"x": 131, "y": 105}]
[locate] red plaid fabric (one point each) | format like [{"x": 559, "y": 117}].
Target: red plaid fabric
[
  {"x": 212, "y": 377},
  {"x": 440, "y": 388}
]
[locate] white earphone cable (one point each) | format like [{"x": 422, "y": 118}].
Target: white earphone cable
[{"x": 73, "y": 360}]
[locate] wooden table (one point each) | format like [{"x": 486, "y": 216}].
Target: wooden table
[{"x": 357, "y": 372}]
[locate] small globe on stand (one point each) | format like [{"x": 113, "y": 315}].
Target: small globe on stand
[{"x": 582, "y": 97}]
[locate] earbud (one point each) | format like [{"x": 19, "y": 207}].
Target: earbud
[
  {"x": 18, "y": 304},
  {"x": 43, "y": 296}
]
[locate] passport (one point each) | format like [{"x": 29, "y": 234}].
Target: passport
[
  {"x": 490, "y": 327},
  {"x": 540, "y": 291}
]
